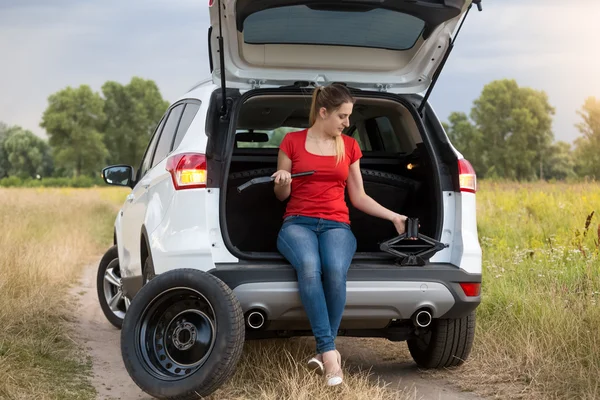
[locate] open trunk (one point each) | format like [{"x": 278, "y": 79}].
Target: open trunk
[{"x": 397, "y": 168}]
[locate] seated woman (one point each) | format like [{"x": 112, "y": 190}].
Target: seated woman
[{"x": 315, "y": 236}]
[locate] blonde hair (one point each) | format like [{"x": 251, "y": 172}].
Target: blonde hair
[{"x": 331, "y": 97}]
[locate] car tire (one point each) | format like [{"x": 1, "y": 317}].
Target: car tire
[
  {"x": 108, "y": 285},
  {"x": 447, "y": 343},
  {"x": 183, "y": 335}
]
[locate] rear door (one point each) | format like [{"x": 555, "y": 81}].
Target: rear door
[
  {"x": 134, "y": 211},
  {"x": 161, "y": 190},
  {"x": 393, "y": 45}
]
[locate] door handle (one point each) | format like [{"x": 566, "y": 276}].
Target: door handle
[{"x": 130, "y": 197}]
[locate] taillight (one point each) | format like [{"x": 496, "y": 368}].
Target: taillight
[
  {"x": 471, "y": 289},
  {"x": 187, "y": 170},
  {"x": 466, "y": 176}
]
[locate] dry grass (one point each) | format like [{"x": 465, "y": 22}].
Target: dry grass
[
  {"x": 275, "y": 370},
  {"x": 47, "y": 236}
]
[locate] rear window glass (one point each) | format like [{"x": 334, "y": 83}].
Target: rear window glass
[
  {"x": 377, "y": 28},
  {"x": 274, "y": 138}
]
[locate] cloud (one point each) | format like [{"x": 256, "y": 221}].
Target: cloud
[
  {"x": 49, "y": 46},
  {"x": 541, "y": 44}
]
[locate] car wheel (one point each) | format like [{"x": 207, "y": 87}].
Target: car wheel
[
  {"x": 109, "y": 288},
  {"x": 447, "y": 343},
  {"x": 183, "y": 335}
]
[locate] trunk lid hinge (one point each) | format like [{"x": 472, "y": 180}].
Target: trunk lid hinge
[{"x": 446, "y": 55}]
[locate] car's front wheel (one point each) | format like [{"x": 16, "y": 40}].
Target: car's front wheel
[
  {"x": 447, "y": 343},
  {"x": 183, "y": 335},
  {"x": 113, "y": 302}
]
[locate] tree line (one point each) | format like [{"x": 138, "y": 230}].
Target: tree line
[
  {"x": 86, "y": 131},
  {"x": 507, "y": 134}
]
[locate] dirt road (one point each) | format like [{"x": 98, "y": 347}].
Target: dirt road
[{"x": 388, "y": 361}]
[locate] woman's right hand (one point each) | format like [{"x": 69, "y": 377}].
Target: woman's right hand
[{"x": 282, "y": 177}]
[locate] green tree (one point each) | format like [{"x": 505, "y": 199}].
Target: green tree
[
  {"x": 132, "y": 113},
  {"x": 4, "y": 164},
  {"x": 516, "y": 124},
  {"x": 27, "y": 154},
  {"x": 73, "y": 120},
  {"x": 467, "y": 139},
  {"x": 559, "y": 163},
  {"x": 587, "y": 147}
]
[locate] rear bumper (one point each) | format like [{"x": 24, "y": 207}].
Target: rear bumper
[{"x": 376, "y": 294}]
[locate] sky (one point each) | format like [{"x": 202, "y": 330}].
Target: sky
[{"x": 46, "y": 46}]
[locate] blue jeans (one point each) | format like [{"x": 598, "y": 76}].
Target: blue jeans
[{"x": 321, "y": 252}]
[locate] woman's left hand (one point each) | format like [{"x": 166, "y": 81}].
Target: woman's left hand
[{"x": 400, "y": 223}]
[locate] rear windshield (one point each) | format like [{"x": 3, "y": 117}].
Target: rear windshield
[{"x": 377, "y": 28}]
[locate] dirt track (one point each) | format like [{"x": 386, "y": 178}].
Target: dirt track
[{"x": 390, "y": 363}]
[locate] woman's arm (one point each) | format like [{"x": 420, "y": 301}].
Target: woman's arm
[
  {"x": 363, "y": 202},
  {"x": 283, "y": 176}
]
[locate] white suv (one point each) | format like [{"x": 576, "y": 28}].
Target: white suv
[{"x": 195, "y": 269}]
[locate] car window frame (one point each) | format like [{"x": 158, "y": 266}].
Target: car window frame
[{"x": 179, "y": 103}]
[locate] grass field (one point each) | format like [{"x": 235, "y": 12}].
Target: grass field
[
  {"x": 537, "y": 333},
  {"x": 538, "y": 325},
  {"x": 47, "y": 237}
]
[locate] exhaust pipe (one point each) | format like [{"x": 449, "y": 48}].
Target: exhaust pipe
[
  {"x": 422, "y": 318},
  {"x": 255, "y": 319}
]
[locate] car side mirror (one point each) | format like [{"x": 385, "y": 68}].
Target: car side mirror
[{"x": 118, "y": 175}]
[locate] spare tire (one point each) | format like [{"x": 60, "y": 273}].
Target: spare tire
[
  {"x": 258, "y": 206},
  {"x": 183, "y": 335}
]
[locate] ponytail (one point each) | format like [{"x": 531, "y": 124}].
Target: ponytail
[{"x": 314, "y": 111}]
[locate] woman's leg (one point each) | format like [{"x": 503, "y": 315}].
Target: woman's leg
[
  {"x": 299, "y": 245},
  {"x": 337, "y": 247}
]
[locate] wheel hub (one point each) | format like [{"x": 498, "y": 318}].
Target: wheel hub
[
  {"x": 177, "y": 334},
  {"x": 184, "y": 336}
]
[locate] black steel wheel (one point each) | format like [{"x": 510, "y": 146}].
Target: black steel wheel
[
  {"x": 177, "y": 333},
  {"x": 182, "y": 335}
]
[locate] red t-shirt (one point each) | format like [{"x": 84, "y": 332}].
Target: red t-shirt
[{"x": 320, "y": 195}]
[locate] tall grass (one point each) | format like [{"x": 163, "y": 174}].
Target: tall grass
[
  {"x": 538, "y": 326},
  {"x": 537, "y": 332},
  {"x": 46, "y": 237}
]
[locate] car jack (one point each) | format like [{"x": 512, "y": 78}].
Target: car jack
[{"x": 420, "y": 252}]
